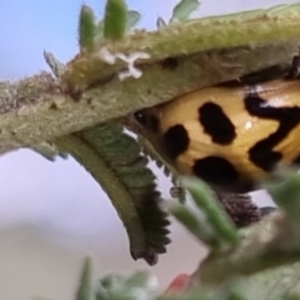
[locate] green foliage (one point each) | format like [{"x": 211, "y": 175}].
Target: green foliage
[
  {"x": 87, "y": 28},
  {"x": 215, "y": 215},
  {"x": 211, "y": 225},
  {"x": 282, "y": 189},
  {"x": 196, "y": 225},
  {"x": 276, "y": 27},
  {"x": 100, "y": 31},
  {"x": 264, "y": 283},
  {"x": 133, "y": 17},
  {"x": 160, "y": 23},
  {"x": 113, "y": 158},
  {"x": 115, "y": 19},
  {"x": 86, "y": 290},
  {"x": 56, "y": 66},
  {"x": 140, "y": 285},
  {"x": 183, "y": 10}
]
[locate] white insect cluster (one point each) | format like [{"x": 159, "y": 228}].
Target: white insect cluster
[{"x": 130, "y": 59}]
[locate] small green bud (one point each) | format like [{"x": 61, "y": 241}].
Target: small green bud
[
  {"x": 87, "y": 28},
  {"x": 115, "y": 19}
]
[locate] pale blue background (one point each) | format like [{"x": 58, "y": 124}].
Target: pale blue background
[{"x": 54, "y": 213}]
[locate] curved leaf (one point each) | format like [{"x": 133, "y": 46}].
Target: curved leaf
[
  {"x": 183, "y": 10},
  {"x": 133, "y": 18},
  {"x": 113, "y": 159}
]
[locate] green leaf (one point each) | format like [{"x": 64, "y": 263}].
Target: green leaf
[
  {"x": 87, "y": 28},
  {"x": 184, "y": 9},
  {"x": 215, "y": 214},
  {"x": 196, "y": 225},
  {"x": 133, "y": 18},
  {"x": 139, "y": 285},
  {"x": 160, "y": 23},
  {"x": 115, "y": 19},
  {"x": 86, "y": 287},
  {"x": 55, "y": 65},
  {"x": 274, "y": 284},
  {"x": 113, "y": 159},
  {"x": 285, "y": 191}
]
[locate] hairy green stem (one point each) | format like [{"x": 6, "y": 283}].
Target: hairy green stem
[{"x": 38, "y": 108}]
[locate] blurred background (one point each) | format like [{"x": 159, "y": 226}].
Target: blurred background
[{"x": 52, "y": 214}]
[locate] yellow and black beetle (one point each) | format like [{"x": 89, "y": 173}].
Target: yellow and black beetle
[{"x": 231, "y": 135}]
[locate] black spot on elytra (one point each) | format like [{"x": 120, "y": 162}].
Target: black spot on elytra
[
  {"x": 262, "y": 154},
  {"x": 150, "y": 122},
  {"x": 176, "y": 141},
  {"x": 170, "y": 63},
  {"x": 216, "y": 170},
  {"x": 216, "y": 123}
]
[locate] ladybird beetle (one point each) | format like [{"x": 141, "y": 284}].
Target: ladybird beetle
[{"x": 231, "y": 135}]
